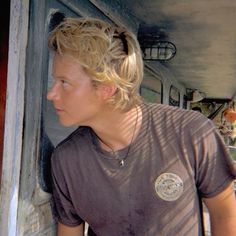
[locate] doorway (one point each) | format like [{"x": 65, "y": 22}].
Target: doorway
[{"x": 4, "y": 36}]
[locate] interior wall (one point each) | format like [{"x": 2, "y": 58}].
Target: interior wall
[{"x": 4, "y": 19}]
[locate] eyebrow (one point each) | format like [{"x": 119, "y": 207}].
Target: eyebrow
[{"x": 61, "y": 76}]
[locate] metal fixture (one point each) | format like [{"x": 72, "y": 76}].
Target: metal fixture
[
  {"x": 161, "y": 50},
  {"x": 154, "y": 44}
]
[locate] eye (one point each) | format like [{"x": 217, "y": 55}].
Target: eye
[{"x": 64, "y": 83}]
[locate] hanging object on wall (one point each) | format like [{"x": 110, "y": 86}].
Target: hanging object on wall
[
  {"x": 155, "y": 44},
  {"x": 229, "y": 115},
  {"x": 194, "y": 95},
  {"x": 161, "y": 50}
]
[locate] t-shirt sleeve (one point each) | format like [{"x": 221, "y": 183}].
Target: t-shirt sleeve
[
  {"x": 214, "y": 167},
  {"x": 62, "y": 205}
]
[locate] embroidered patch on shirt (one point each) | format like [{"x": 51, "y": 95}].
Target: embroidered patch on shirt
[{"x": 169, "y": 186}]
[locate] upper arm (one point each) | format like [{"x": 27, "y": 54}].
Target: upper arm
[
  {"x": 223, "y": 204},
  {"x": 222, "y": 211},
  {"x": 62, "y": 203},
  {"x": 64, "y": 230}
]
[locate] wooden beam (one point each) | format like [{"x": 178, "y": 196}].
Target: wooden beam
[{"x": 118, "y": 13}]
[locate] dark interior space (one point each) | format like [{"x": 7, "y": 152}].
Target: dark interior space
[{"x": 4, "y": 36}]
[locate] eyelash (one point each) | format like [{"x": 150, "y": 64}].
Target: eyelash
[{"x": 64, "y": 82}]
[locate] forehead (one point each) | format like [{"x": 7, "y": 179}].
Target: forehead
[
  {"x": 67, "y": 61},
  {"x": 66, "y": 65}
]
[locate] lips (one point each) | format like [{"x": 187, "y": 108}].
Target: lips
[{"x": 58, "y": 110}]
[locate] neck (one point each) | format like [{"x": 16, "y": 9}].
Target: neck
[{"x": 118, "y": 129}]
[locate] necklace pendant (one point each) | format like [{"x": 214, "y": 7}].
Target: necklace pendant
[{"x": 122, "y": 163}]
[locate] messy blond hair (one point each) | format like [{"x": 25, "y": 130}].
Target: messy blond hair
[{"x": 110, "y": 54}]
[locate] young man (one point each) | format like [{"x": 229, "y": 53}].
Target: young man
[{"x": 130, "y": 168}]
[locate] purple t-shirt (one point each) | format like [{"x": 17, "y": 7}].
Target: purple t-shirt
[{"x": 177, "y": 158}]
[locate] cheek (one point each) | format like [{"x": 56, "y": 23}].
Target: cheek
[
  {"x": 75, "y": 103},
  {"x": 81, "y": 98}
]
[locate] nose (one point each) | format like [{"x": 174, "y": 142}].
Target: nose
[{"x": 53, "y": 93}]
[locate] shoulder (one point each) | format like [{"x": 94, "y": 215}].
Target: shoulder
[
  {"x": 75, "y": 136},
  {"x": 69, "y": 146},
  {"x": 166, "y": 110},
  {"x": 177, "y": 117}
]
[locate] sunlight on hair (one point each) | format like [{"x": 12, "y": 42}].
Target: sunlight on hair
[{"x": 110, "y": 54}]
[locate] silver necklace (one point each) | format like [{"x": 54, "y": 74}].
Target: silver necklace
[{"x": 121, "y": 161}]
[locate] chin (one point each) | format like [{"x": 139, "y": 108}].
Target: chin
[{"x": 68, "y": 123}]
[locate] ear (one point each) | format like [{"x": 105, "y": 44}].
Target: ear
[{"x": 107, "y": 91}]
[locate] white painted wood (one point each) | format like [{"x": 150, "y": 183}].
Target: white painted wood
[{"x": 14, "y": 117}]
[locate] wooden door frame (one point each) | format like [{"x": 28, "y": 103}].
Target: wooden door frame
[
  {"x": 4, "y": 19},
  {"x": 19, "y": 16}
]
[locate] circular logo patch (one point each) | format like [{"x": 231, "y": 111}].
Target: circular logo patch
[{"x": 169, "y": 186}]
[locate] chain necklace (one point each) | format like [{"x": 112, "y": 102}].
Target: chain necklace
[{"x": 121, "y": 161}]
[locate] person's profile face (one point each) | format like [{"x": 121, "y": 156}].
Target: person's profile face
[{"x": 74, "y": 97}]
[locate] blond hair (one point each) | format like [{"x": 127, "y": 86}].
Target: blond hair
[{"x": 110, "y": 54}]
